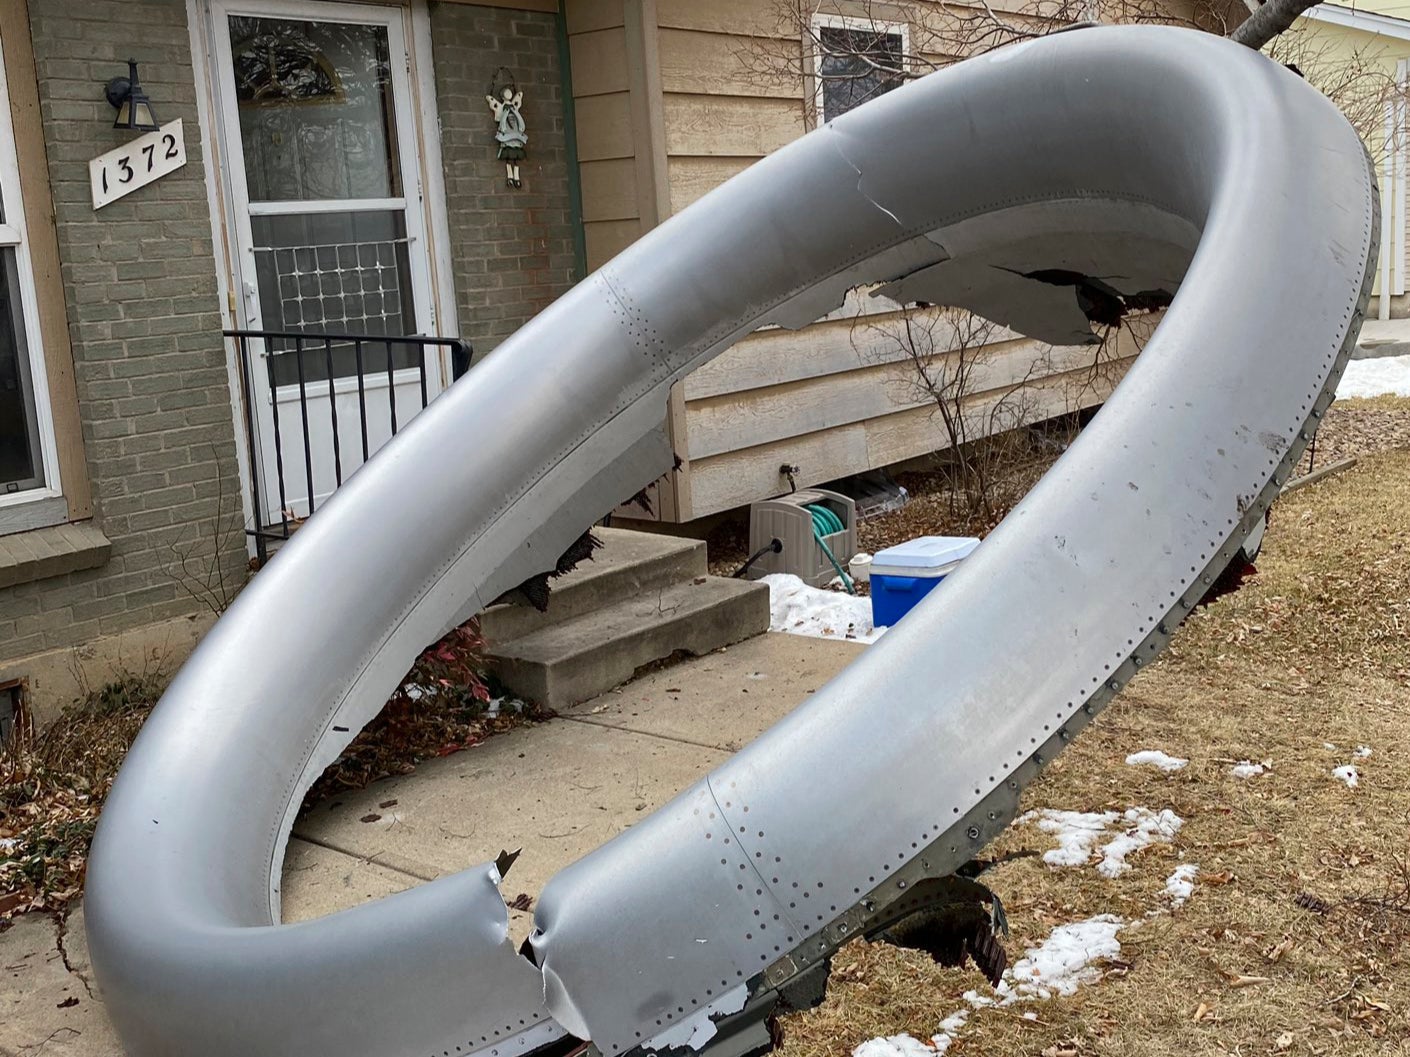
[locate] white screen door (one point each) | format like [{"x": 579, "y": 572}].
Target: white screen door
[{"x": 322, "y": 157}]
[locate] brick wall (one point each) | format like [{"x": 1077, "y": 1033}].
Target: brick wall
[
  {"x": 140, "y": 285},
  {"x": 512, "y": 249}
]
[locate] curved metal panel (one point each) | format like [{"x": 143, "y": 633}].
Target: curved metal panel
[{"x": 1132, "y": 155}]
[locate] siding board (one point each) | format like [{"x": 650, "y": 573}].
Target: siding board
[
  {"x": 693, "y": 178},
  {"x": 607, "y": 238},
  {"x": 741, "y": 420},
  {"x": 609, "y": 190},
  {"x": 722, "y": 16},
  {"x": 726, "y": 126},
  {"x": 717, "y": 64},
  {"x": 604, "y": 126},
  {"x": 585, "y": 16},
  {"x": 599, "y": 62}
]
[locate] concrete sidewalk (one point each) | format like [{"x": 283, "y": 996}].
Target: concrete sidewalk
[
  {"x": 1383, "y": 337},
  {"x": 556, "y": 790}
]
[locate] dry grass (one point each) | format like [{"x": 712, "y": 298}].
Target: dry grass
[{"x": 1314, "y": 650}]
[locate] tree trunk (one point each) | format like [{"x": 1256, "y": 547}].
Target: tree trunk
[{"x": 1268, "y": 21}]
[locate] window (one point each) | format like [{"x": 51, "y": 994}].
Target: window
[
  {"x": 855, "y": 61},
  {"x": 27, "y": 467}
]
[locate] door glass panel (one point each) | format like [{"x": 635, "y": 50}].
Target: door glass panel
[
  {"x": 334, "y": 273},
  {"x": 21, "y": 465},
  {"x": 316, "y": 109}
]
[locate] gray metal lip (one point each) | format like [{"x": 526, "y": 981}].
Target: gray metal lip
[{"x": 1159, "y": 133}]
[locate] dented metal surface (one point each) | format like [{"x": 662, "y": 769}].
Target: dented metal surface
[{"x": 1139, "y": 159}]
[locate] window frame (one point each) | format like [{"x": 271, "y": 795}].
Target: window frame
[
  {"x": 14, "y": 234},
  {"x": 821, "y": 21}
]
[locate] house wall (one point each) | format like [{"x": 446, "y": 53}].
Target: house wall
[
  {"x": 1357, "y": 67},
  {"x": 833, "y": 399},
  {"x": 512, "y": 249},
  {"x": 143, "y": 320}
]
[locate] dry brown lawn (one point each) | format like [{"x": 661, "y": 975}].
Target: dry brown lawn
[{"x": 1314, "y": 650}]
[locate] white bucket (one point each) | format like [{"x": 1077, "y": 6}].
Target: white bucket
[{"x": 859, "y": 568}]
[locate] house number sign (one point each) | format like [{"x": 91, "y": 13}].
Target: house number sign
[{"x": 136, "y": 164}]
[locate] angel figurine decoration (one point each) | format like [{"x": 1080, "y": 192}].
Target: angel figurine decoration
[{"x": 506, "y": 103}]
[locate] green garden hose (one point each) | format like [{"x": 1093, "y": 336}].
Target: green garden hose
[{"x": 826, "y": 523}]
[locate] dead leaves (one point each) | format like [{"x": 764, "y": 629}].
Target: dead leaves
[{"x": 1274, "y": 954}]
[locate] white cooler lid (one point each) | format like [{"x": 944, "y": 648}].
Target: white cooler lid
[{"x": 927, "y": 552}]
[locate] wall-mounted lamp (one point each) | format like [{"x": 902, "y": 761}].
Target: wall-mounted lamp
[{"x": 127, "y": 97}]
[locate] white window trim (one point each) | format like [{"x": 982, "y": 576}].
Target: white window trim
[
  {"x": 13, "y": 234},
  {"x": 1398, "y": 169},
  {"x": 856, "y": 24}
]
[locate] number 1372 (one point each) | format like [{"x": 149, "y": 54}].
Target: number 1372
[{"x": 146, "y": 159}]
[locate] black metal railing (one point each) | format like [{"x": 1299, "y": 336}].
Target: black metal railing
[{"x": 315, "y": 364}]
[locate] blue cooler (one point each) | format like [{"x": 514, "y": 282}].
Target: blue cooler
[{"x": 902, "y": 575}]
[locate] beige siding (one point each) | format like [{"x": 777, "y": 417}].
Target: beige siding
[
  {"x": 604, "y": 126},
  {"x": 702, "y": 125},
  {"x": 693, "y": 178},
  {"x": 597, "y": 42},
  {"x": 599, "y": 62},
  {"x": 743, "y": 476},
  {"x": 609, "y": 189},
  {"x": 734, "y": 421},
  {"x": 725, "y": 64}
]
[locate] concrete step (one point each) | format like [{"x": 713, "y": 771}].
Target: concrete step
[
  {"x": 628, "y": 564},
  {"x": 563, "y": 664}
]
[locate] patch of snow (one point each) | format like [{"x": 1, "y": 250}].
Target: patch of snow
[
  {"x": 907, "y": 1046},
  {"x": 1385, "y": 376},
  {"x": 1246, "y": 769},
  {"x": 895, "y": 1046},
  {"x": 1329, "y": 746},
  {"x": 1180, "y": 885},
  {"x": 1347, "y": 774},
  {"x": 949, "y": 1028},
  {"x": 1065, "y": 960},
  {"x": 1079, "y": 832},
  {"x": 954, "y": 1022},
  {"x": 1030, "y": 1015},
  {"x": 1155, "y": 758},
  {"x": 1362, "y": 752},
  {"x": 798, "y": 609},
  {"x": 1144, "y": 828},
  {"x": 9, "y": 843}
]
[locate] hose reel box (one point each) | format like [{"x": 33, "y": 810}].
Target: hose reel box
[{"x": 804, "y": 522}]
